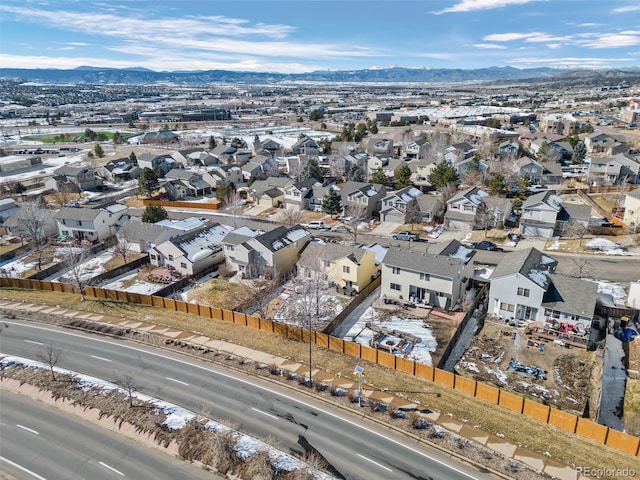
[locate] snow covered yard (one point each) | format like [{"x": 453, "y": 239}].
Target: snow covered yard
[
  {"x": 421, "y": 350},
  {"x": 129, "y": 282}
]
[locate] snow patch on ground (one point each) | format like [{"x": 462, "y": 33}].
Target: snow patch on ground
[
  {"x": 606, "y": 246},
  {"x": 129, "y": 283},
  {"x": 176, "y": 416}
]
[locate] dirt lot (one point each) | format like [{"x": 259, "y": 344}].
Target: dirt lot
[
  {"x": 566, "y": 374},
  {"x": 221, "y": 293}
]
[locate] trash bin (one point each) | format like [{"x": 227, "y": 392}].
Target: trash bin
[
  {"x": 513, "y": 335},
  {"x": 542, "y": 347}
]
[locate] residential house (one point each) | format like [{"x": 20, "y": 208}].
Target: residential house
[
  {"x": 632, "y": 209},
  {"x": 392, "y": 167},
  {"x": 160, "y": 164},
  {"x": 317, "y": 195},
  {"x": 81, "y": 177},
  {"x": 598, "y": 143},
  {"x": 298, "y": 195},
  {"x": 380, "y": 147},
  {"x": 463, "y": 167},
  {"x": 420, "y": 171},
  {"x": 269, "y": 192},
  {"x": 270, "y": 253},
  {"x": 431, "y": 278},
  {"x": 191, "y": 253},
  {"x": 540, "y": 214},
  {"x": 258, "y": 166},
  {"x": 222, "y": 174},
  {"x": 224, "y": 153},
  {"x": 633, "y": 299},
  {"x": 185, "y": 183},
  {"x": 161, "y": 137},
  {"x": 374, "y": 163},
  {"x": 348, "y": 268},
  {"x": 93, "y": 224},
  {"x": 394, "y": 206},
  {"x": 197, "y": 157},
  {"x": 462, "y": 208},
  {"x": 120, "y": 170},
  {"x": 365, "y": 195},
  {"x": 238, "y": 257},
  {"x": 525, "y": 287},
  {"x": 185, "y": 225},
  {"x": 142, "y": 236},
  {"x": 613, "y": 170},
  {"x": 452, "y": 154},
  {"x": 539, "y": 173},
  {"x": 417, "y": 148},
  {"x": 305, "y": 146},
  {"x": 508, "y": 149}
]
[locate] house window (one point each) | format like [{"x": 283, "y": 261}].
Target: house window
[
  {"x": 395, "y": 270},
  {"x": 170, "y": 258},
  {"x": 468, "y": 208},
  {"x": 523, "y": 292},
  {"x": 153, "y": 257},
  {"x": 327, "y": 263},
  {"x": 346, "y": 269},
  {"x": 183, "y": 265},
  {"x": 507, "y": 307},
  {"x": 425, "y": 276},
  {"x": 230, "y": 248},
  {"x": 395, "y": 286}
]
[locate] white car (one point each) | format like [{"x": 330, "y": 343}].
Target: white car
[{"x": 316, "y": 225}]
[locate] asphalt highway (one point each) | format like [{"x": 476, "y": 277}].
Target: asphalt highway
[
  {"x": 39, "y": 442},
  {"x": 356, "y": 447}
]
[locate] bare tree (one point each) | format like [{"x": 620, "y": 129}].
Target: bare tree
[
  {"x": 31, "y": 224},
  {"x": 289, "y": 217},
  {"x": 122, "y": 247},
  {"x": 128, "y": 384},
  {"x": 447, "y": 192},
  {"x": 78, "y": 273},
  {"x": 65, "y": 193},
  {"x": 233, "y": 202},
  {"x": 50, "y": 356},
  {"x": 264, "y": 291},
  {"x": 413, "y": 214},
  {"x": 355, "y": 214},
  {"x": 337, "y": 166},
  {"x": 575, "y": 229},
  {"x": 582, "y": 267}
]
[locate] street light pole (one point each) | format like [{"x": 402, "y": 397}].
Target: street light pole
[{"x": 310, "y": 367}]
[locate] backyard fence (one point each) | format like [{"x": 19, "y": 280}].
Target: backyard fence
[
  {"x": 202, "y": 206},
  {"x": 564, "y": 420}
]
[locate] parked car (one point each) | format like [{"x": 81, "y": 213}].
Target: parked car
[
  {"x": 484, "y": 245},
  {"x": 537, "y": 188},
  {"x": 316, "y": 225},
  {"x": 406, "y": 236}
]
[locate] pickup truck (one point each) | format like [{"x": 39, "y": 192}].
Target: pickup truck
[{"x": 406, "y": 236}]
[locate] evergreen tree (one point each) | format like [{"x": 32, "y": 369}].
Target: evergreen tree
[
  {"x": 148, "y": 182},
  {"x": 312, "y": 170},
  {"x": 154, "y": 213},
  {"x": 355, "y": 174},
  {"x": 497, "y": 185},
  {"x": 98, "y": 150},
  {"x": 133, "y": 158},
  {"x": 331, "y": 203},
  {"x": 523, "y": 185},
  {"x": 212, "y": 143},
  {"x": 373, "y": 128},
  {"x": 379, "y": 177},
  {"x": 443, "y": 174},
  {"x": 579, "y": 152},
  {"x": 223, "y": 191},
  {"x": 403, "y": 176}
]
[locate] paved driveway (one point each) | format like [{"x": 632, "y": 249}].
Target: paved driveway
[{"x": 385, "y": 229}]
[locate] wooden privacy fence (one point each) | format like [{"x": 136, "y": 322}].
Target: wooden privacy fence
[
  {"x": 202, "y": 206},
  {"x": 564, "y": 420}
]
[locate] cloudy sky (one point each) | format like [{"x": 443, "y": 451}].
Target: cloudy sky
[{"x": 307, "y": 35}]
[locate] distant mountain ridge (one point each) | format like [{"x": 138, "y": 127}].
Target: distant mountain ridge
[{"x": 135, "y": 75}]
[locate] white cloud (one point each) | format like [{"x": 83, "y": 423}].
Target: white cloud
[
  {"x": 473, "y": 5},
  {"x": 568, "y": 62},
  {"x": 610, "y": 41},
  {"x": 508, "y": 37},
  {"x": 489, "y": 46},
  {"x": 627, "y": 9}
]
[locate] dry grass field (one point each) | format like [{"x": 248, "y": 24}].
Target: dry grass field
[{"x": 564, "y": 447}]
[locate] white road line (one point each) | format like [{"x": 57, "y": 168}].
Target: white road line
[
  {"x": 101, "y": 358},
  {"x": 375, "y": 463},
  {"x": 21, "y": 468},
  {"x": 36, "y": 343},
  {"x": 112, "y": 469},
  {"x": 27, "y": 429},
  {"x": 264, "y": 413},
  {"x": 177, "y": 381},
  {"x": 261, "y": 387}
]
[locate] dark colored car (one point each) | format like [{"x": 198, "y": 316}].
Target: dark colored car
[{"x": 484, "y": 245}]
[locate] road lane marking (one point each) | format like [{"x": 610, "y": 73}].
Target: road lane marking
[
  {"x": 101, "y": 358},
  {"x": 36, "y": 343},
  {"x": 264, "y": 413},
  {"x": 177, "y": 381},
  {"x": 112, "y": 469},
  {"x": 375, "y": 463},
  {"x": 21, "y": 468},
  {"x": 261, "y": 387},
  {"x": 27, "y": 429}
]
